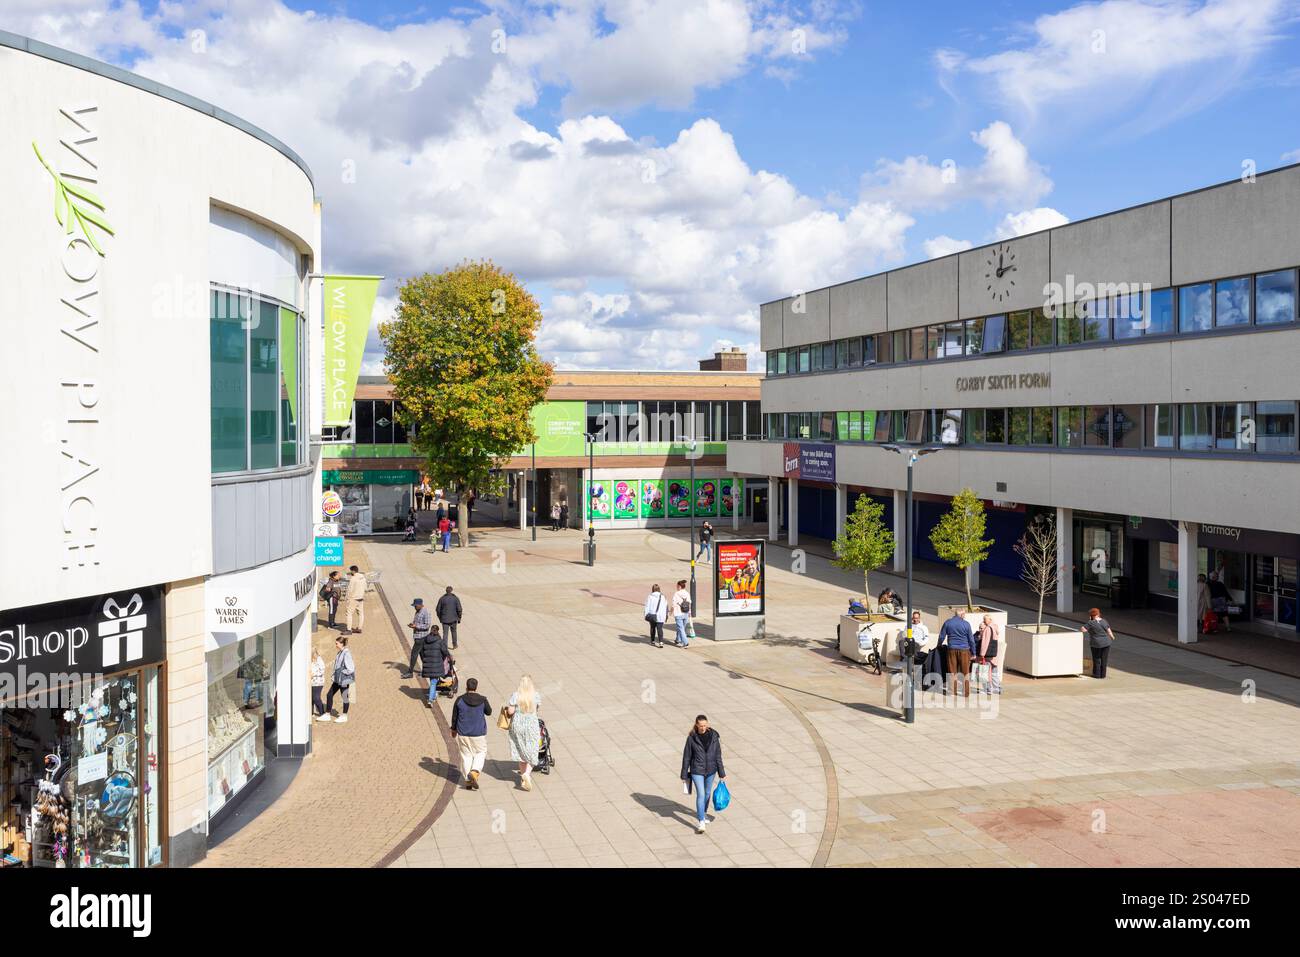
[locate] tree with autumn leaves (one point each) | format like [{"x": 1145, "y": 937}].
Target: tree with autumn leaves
[{"x": 460, "y": 354}]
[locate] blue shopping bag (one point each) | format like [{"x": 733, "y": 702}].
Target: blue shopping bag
[{"x": 721, "y": 796}]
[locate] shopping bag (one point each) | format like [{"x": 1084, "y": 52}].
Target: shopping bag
[
  {"x": 721, "y": 796},
  {"x": 503, "y": 718}
]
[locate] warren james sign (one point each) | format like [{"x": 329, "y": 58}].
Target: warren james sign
[{"x": 1004, "y": 383}]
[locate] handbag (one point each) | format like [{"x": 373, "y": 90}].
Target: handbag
[
  {"x": 721, "y": 796},
  {"x": 653, "y": 616},
  {"x": 503, "y": 719}
]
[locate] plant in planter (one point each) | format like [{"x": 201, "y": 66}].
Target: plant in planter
[
  {"x": 1041, "y": 650},
  {"x": 866, "y": 544},
  {"x": 1037, "y": 551},
  {"x": 959, "y": 535}
]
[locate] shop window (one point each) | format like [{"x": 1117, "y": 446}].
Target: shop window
[
  {"x": 1232, "y": 302},
  {"x": 1196, "y": 307},
  {"x": 1275, "y": 297},
  {"x": 241, "y": 713},
  {"x": 1040, "y": 425},
  {"x": 1096, "y": 432},
  {"x": 1196, "y": 428},
  {"x": 1126, "y": 426},
  {"x": 1158, "y": 313},
  {"x": 1158, "y": 432},
  {"x": 995, "y": 426},
  {"x": 1069, "y": 427},
  {"x": 1234, "y": 426},
  {"x": 1275, "y": 426}
]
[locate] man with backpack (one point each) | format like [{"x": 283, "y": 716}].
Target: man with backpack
[
  {"x": 469, "y": 727},
  {"x": 449, "y": 614},
  {"x": 682, "y": 614}
]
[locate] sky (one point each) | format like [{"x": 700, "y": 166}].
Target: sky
[{"x": 653, "y": 170}]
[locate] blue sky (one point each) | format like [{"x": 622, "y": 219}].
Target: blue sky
[{"x": 654, "y": 170}]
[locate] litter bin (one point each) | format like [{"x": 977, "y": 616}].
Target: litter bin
[{"x": 1121, "y": 592}]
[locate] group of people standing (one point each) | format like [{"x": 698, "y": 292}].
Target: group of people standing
[
  {"x": 559, "y": 515},
  {"x": 658, "y": 608},
  {"x": 350, "y": 591}
]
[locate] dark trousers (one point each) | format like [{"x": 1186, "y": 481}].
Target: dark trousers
[
  {"x": 333, "y": 604},
  {"x": 1099, "y": 656},
  {"x": 657, "y": 631},
  {"x": 449, "y": 630},
  {"x": 317, "y": 706},
  {"x": 416, "y": 648},
  {"x": 335, "y": 688}
]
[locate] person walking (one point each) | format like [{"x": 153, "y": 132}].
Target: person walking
[
  {"x": 469, "y": 727},
  {"x": 356, "y": 595},
  {"x": 421, "y": 624},
  {"x": 701, "y": 766},
  {"x": 564, "y": 513},
  {"x": 958, "y": 641},
  {"x": 682, "y": 614},
  {"x": 656, "y": 613},
  {"x": 444, "y": 530},
  {"x": 330, "y": 592},
  {"x": 1220, "y": 598},
  {"x": 525, "y": 734},
  {"x": 1202, "y": 601},
  {"x": 449, "y": 614},
  {"x": 706, "y": 541},
  {"x": 555, "y": 516},
  {"x": 345, "y": 675},
  {"x": 433, "y": 661},
  {"x": 1100, "y": 638},
  {"x": 986, "y": 653},
  {"x": 317, "y": 682}
]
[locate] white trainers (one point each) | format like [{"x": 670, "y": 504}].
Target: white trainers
[
  {"x": 700, "y": 826},
  {"x": 341, "y": 719},
  {"x": 324, "y": 717}
]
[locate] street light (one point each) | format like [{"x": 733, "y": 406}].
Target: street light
[
  {"x": 532, "y": 499},
  {"x": 591, "y": 484},
  {"x": 690, "y": 455},
  {"x": 909, "y": 646}
]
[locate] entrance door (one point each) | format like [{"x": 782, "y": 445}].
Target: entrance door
[
  {"x": 1273, "y": 594},
  {"x": 1101, "y": 557},
  {"x": 757, "y": 504}
]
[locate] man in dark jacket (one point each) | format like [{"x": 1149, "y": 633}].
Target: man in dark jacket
[
  {"x": 701, "y": 763},
  {"x": 469, "y": 727},
  {"x": 449, "y": 612},
  {"x": 959, "y": 640},
  {"x": 432, "y": 667}
]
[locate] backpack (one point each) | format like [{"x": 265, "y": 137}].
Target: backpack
[{"x": 686, "y": 606}]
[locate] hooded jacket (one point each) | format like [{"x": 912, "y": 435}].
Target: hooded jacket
[
  {"x": 469, "y": 715},
  {"x": 431, "y": 655}
]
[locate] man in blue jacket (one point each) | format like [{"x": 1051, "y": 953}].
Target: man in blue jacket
[
  {"x": 958, "y": 639},
  {"x": 469, "y": 727}
]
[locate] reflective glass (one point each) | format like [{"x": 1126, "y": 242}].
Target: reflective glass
[
  {"x": 1275, "y": 297},
  {"x": 1232, "y": 302},
  {"x": 1195, "y": 307}
]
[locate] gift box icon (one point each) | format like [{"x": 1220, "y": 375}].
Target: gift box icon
[{"x": 122, "y": 628}]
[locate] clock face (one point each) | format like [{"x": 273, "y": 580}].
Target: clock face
[{"x": 1000, "y": 272}]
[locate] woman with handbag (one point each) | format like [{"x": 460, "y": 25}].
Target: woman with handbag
[
  {"x": 345, "y": 675},
  {"x": 701, "y": 765},
  {"x": 523, "y": 730},
  {"x": 986, "y": 654},
  {"x": 656, "y": 613}
]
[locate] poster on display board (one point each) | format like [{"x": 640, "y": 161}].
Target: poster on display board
[
  {"x": 599, "y": 501},
  {"x": 652, "y": 498},
  {"x": 706, "y": 498},
  {"x": 679, "y": 500},
  {"x": 738, "y": 577},
  {"x": 625, "y": 499},
  {"x": 733, "y": 496}
]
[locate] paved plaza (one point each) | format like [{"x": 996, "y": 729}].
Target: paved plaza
[{"x": 1175, "y": 759}]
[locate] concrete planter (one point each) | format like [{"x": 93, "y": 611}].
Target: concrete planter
[
  {"x": 886, "y": 627},
  {"x": 1043, "y": 651}
]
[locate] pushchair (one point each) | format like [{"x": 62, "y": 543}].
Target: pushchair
[
  {"x": 410, "y": 532},
  {"x": 449, "y": 683},
  {"x": 545, "y": 754}
]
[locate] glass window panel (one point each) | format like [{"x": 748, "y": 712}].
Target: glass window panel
[
  {"x": 900, "y": 345},
  {"x": 876, "y": 425},
  {"x": 1158, "y": 432},
  {"x": 1158, "y": 314},
  {"x": 228, "y": 370},
  {"x": 1195, "y": 429},
  {"x": 290, "y": 386},
  {"x": 828, "y": 355},
  {"x": 753, "y": 415},
  {"x": 805, "y": 425},
  {"x": 364, "y": 417},
  {"x": 1040, "y": 329},
  {"x": 975, "y": 426},
  {"x": 916, "y": 422},
  {"x": 1094, "y": 317},
  {"x": 1233, "y": 426},
  {"x": 995, "y": 426},
  {"x": 1019, "y": 432},
  {"x": 1195, "y": 307},
  {"x": 1040, "y": 425},
  {"x": 855, "y": 426},
  {"x": 1126, "y": 426},
  {"x": 868, "y": 350},
  {"x": 782, "y": 366},
  {"x": 1275, "y": 297},
  {"x": 805, "y": 359},
  {"x": 1018, "y": 330},
  {"x": 400, "y": 419},
  {"x": 816, "y": 358},
  {"x": 264, "y": 387},
  {"x": 974, "y": 336},
  {"x": 735, "y": 420},
  {"x": 855, "y": 351},
  {"x": 827, "y": 430},
  {"x": 383, "y": 421},
  {"x": 1069, "y": 427},
  {"x": 950, "y": 424},
  {"x": 1069, "y": 328},
  {"x": 1126, "y": 316},
  {"x": 933, "y": 342},
  {"x": 1275, "y": 426},
  {"x": 916, "y": 343},
  {"x": 1096, "y": 430},
  {"x": 995, "y": 334},
  {"x": 842, "y": 353},
  {"x": 771, "y": 363},
  {"x": 898, "y": 422},
  {"x": 884, "y": 348},
  {"x": 1232, "y": 302}
]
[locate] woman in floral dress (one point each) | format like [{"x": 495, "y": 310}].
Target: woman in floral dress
[{"x": 525, "y": 733}]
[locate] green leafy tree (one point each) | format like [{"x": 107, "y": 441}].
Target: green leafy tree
[
  {"x": 959, "y": 536},
  {"x": 461, "y": 355},
  {"x": 867, "y": 543}
]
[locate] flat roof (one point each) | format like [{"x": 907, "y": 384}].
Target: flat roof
[{"x": 68, "y": 58}]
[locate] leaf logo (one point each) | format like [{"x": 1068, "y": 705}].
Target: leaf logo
[{"x": 67, "y": 208}]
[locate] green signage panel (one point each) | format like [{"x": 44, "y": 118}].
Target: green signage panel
[
  {"x": 369, "y": 476},
  {"x": 679, "y": 499},
  {"x": 625, "y": 498},
  {"x": 559, "y": 427},
  {"x": 652, "y": 498},
  {"x": 599, "y": 501},
  {"x": 706, "y": 498},
  {"x": 733, "y": 497}
]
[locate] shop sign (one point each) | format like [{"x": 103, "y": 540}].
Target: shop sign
[
  {"x": 1004, "y": 383},
  {"x": 815, "y": 463},
  {"x": 349, "y": 301},
  {"x": 369, "y": 477},
  {"x": 326, "y": 529},
  {"x": 82, "y": 636},
  {"x": 245, "y": 603},
  {"x": 738, "y": 578},
  {"x": 231, "y": 611},
  {"x": 331, "y": 504},
  {"x": 329, "y": 550}
]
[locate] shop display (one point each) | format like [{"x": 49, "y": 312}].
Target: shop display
[
  {"x": 652, "y": 498},
  {"x": 625, "y": 499}
]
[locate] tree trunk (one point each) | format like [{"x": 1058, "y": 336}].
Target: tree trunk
[
  {"x": 1040, "y": 612},
  {"x": 462, "y": 522},
  {"x": 970, "y": 605},
  {"x": 866, "y": 588}
]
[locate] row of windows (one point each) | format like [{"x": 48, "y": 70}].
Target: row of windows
[
  {"x": 1266, "y": 427},
  {"x": 256, "y": 371},
  {"x": 653, "y": 421},
  {"x": 374, "y": 422},
  {"x": 1266, "y": 299}
]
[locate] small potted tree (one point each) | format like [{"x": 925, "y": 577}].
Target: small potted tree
[
  {"x": 1040, "y": 650},
  {"x": 865, "y": 545},
  {"x": 959, "y": 538}
]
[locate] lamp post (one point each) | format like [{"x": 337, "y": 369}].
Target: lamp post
[
  {"x": 909, "y": 646},
  {"x": 532, "y": 498},
  {"x": 690, "y": 497},
  {"x": 591, "y": 484}
]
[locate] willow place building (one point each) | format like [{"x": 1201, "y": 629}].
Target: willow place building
[
  {"x": 1135, "y": 374},
  {"x": 156, "y": 526}
]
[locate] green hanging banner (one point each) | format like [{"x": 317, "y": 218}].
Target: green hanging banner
[{"x": 348, "y": 302}]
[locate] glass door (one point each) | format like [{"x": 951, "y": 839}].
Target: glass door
[
  {"x": 1273, "y": 594},
  {"x": 1101, "y": 557}
]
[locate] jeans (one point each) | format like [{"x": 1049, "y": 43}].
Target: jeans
[
  {"x": 335, "y": 688},
  {"x": 682, "y": 622},
  {"x": 706, "y": 549},
  {"x": 446, "y": 541},
  {"x": 433, "y": 689},
  {"x": 703, "y": 785}
]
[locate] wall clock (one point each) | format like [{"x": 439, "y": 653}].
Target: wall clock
[{"x": 1000, "y": 272}]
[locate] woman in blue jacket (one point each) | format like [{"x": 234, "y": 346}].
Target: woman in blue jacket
[{"x": 701, "y": 765}]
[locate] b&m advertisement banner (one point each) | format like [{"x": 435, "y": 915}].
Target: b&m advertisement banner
[
  {"x": 652, "y": 498},
  {"x": 349, "y": 301},
  {"x": 625, "y": 499},
  {"x": 679, "y": 499},
  {"x": 600, "y": 502},
  {"x": 738, "y": 576},
  {"x": 733, "y": 496},
  {"x": 706, "y": 498}
]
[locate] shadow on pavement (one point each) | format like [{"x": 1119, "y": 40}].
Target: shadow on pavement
[{"x": 666, "y": 807}]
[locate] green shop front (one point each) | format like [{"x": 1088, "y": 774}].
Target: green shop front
[{"x": 375, "y": 501}]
